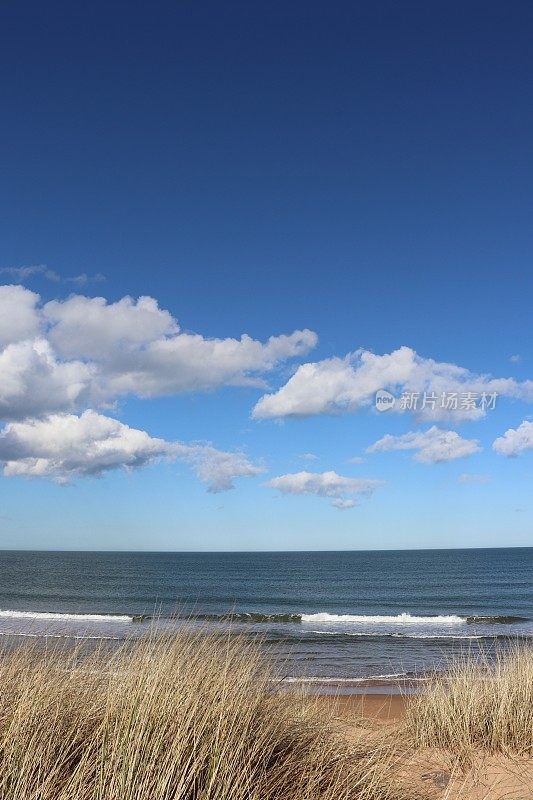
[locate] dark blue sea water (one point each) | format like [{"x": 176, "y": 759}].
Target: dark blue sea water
[{"x": 338, "y": 615}]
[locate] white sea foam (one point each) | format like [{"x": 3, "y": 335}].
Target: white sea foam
[
  {"x": 411, "y": 635},
  {"x": 50, "y": 615},
  {"x": 84, "y": 637},
  {"x": 318, "y": 679},
  {"x": 399, "y": 619}
]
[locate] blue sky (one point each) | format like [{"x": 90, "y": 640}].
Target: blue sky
[{"x": 363, "y": 173}]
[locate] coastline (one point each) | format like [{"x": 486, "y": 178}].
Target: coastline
[
  {"x": 346, "y": 687},
  {"x": 333, "y": 622},
  {"x": 397, "y": 736}
]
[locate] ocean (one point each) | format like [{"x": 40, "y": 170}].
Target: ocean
[{"x": 328, "y": 617}]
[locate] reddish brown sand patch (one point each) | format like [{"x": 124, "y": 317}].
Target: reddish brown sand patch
[
  {"x": 430, "y": 774},
  {"x": 376, "y": 707}
]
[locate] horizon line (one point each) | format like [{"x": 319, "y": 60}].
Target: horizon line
[{"x": 241, "y": 552}]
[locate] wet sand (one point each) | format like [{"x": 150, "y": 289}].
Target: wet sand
[{"x": 382, "y": 707}]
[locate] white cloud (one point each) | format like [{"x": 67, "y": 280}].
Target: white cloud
[
  {"x": 189, "y": 362},
  {"x": 340, "y": 385},
  {"x": 356, "y": 460},
  {"x": 83, "y": 279},
  {"x": 63, "y": 447},
  {"x": 432, "y": 446},
  {"x": 469, "y": 477},
  {"x": 33, "y": 382},
  {"x": 19, "y": 318},
  {"x": 342, "y": 504},
  {"x": 216, "y": 468},
  {"x": 140, "y": 349},
  {"x": 68, "y": 355},
  {"x": 25, "y": 272},
  {"x": 90, "y": 327},
  {"x": 309, "y": 456},
  {"x": 325, "y": 484},
  {"x": 515, "y": 440},
  {"x": 85, "y": 351},
  {"x": 516, "y": 358}
]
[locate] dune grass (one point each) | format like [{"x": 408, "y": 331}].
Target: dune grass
[
  {"x": 193, "y": 717},
  {"x": 478, "y": 704}
]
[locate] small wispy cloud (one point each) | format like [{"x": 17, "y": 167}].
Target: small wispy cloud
[
  {"x": 355, "y": 460},
  {"x": 83, "y": 279},
  {"x": 431, "y": 447},
  {"x": 342, "y": 503},
  {"x": 469, "y": 477},
  {"x": 341, "y": 490},
  {"x": 516, "y": 358},
  {"x": 25, "y": 272},
  {"x": 309, "y": 456}
]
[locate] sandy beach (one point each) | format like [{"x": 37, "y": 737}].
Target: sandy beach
[
  {"x": 199, "y": 717},
  {"x": 384, "y": 708},
  {"x": 431, "y": 774}
]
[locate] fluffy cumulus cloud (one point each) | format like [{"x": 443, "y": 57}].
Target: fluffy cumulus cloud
[
  {"x": 69, "y": 354},
  {"x": 339, "y": 385},
  {"x": 515, "y": 440},
  {"x": 343, "y": 491},
  {"x": 431, "y": 447},
  {"x": 60, "y": 360},
  {"x": 140, "y": 349},
  {"x": 33, "y": 381},
  {"x": 19, "y": 317},
  {"x": 189, "y": 362},
  {"x": 63, "y": 447},
  {"x": 90, "y": 327}
]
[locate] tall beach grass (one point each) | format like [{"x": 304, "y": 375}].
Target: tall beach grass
[
  {"x": 200, "y": 717},
  {"x": 194, "y": 717},
  {"x": 478, "y": 704}
]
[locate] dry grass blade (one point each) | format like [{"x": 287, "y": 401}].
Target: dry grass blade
[
  {"x": 478, "y": 704},
  {"x": 192, "y": 717}
]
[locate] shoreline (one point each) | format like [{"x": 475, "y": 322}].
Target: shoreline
[
  {"x": 391, "y": 736},
  {"x": 346, "y": 687}
]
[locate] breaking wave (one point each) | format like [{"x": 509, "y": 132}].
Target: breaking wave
[{"x": 52, "y": 615}]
